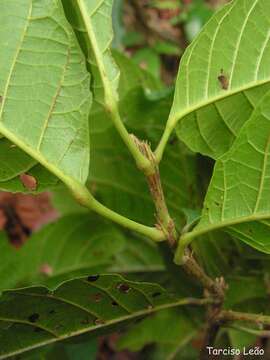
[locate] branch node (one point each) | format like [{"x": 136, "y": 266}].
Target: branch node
[{"x": 164, "y": 220}]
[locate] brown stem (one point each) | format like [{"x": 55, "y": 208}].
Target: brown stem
[
  {"x": 219, "y": 317},
  {"x": 164, "y": 221},
  {"x": 215, "y": 288},
  {"x": 211, "y": 332},
  {"x": 213, "y": 324}
]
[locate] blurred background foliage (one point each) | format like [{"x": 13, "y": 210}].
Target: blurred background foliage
[{"x": 154, "y": 33}]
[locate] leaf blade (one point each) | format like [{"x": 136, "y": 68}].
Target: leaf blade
[
  {"x": 222, "y": 51},
  {"x": 237, "y": 199},
  {"x": 45, "y": 68},
  {"x": 92, "y": 23},
  {"x": 45, "y": 311}
]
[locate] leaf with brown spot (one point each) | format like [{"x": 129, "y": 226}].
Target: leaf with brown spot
[{"x": 67, "y": 311}]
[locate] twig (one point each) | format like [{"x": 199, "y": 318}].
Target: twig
[
  {"x": 229, "y": 315},
  {"x": 215, "y": 288},
  {"x": 259, "y": 333},
  {"x": 211, "y": 332},
  {"x": 164, "y": 221}
]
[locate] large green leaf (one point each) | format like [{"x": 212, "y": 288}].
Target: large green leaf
[
  {"x": 91, "y": 20},
  {"x": 44, "y": 87},
  {"x": 71, "y": 246},
  {"x": 14, "y": 161},
  {"x": 237, "y": 200},
  {"x": 36, "y": 317},
  {"x": 223, "y": 74}
]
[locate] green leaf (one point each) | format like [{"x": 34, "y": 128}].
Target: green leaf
[
  {"x": 44, "y": 87},
  {"x": 69, "y": 247},
  {"x": 91, "y": 21},
  {"x": 237, "y": 200},
  {"x": 223, "y": 75},
  {"x": 13, "y": 161},
  {"x": 37, "y": 317}
]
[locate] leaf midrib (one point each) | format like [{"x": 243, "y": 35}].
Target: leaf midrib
[
  {"x": 239, "y": 220},
  {"x": 69, "y": 181},
  {"x": 109, "y": 97},
  {"x": 175, "y": 117}
]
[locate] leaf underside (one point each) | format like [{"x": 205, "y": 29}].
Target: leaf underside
[
  {"x": 44, "y": 86},
  {"x": 223, "y": 75},
  {"x": 238, "y": 196},
  {"x": 37, "y": 317},
  {"x": 91, "y": 21}
]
